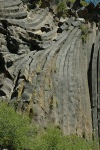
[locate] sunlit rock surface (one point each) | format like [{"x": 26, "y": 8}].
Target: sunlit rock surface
[{"x": 49, "y": 67}]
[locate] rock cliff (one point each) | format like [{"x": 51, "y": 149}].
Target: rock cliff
[{"x": 50, "y": 67}]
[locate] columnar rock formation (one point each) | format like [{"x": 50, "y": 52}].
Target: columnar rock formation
[{"x": 48, "y": 70}]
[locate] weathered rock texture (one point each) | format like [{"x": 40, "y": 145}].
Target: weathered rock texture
[{"x": 47, "y": 70}]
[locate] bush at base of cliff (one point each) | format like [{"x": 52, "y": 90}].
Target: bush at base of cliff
[
  {"x": 17, "y": 134},
  {"x": 15, "y": 130},
  {"x": 53, "y": 139}
]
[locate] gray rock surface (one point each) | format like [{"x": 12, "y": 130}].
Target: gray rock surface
[{"x": 47, "y": 68}]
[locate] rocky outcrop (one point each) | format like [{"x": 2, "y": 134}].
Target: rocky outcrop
[{"x": 49, "y": 68}]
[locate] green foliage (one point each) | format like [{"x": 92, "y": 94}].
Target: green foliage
[
  {"x": 84, "y": 29},
  {"x": 84, "y": 3},
  {"x": 53, "y": 139},
  {"x": 61, "y": 8},
  {"x": 15, "y": 130},
  {"x": 48, "y": 140},
  {"x": 38, "y": 3},
  {"x": 16, "y": 133},
  {"x": 72, "y": 1}
]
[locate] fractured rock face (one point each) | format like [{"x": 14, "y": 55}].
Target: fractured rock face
[{"x": 44, "y": 67}]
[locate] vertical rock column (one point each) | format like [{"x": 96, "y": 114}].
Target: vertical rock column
[
  {"x": 95, "y": 87},
  {"x": 99, "y": 92}
]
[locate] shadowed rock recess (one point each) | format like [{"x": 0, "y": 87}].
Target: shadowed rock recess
[{"x": 50, "y": 67}]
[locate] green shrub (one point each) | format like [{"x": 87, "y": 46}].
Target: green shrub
[
  {"x": 84, "y": 3},
  {"x": 61, "y": 6},
  {"x": 84, "y": 29},
  {"x": 16, "y": 133},
  {"x": 72, "y": 1},
  {"x": 48, "y": 140},
  {"x": 53, "y": 139},
  {"x": 62, "y": 9},
  {"x": 38, "y": 3},
  {"x": 15, "y": 130}
]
